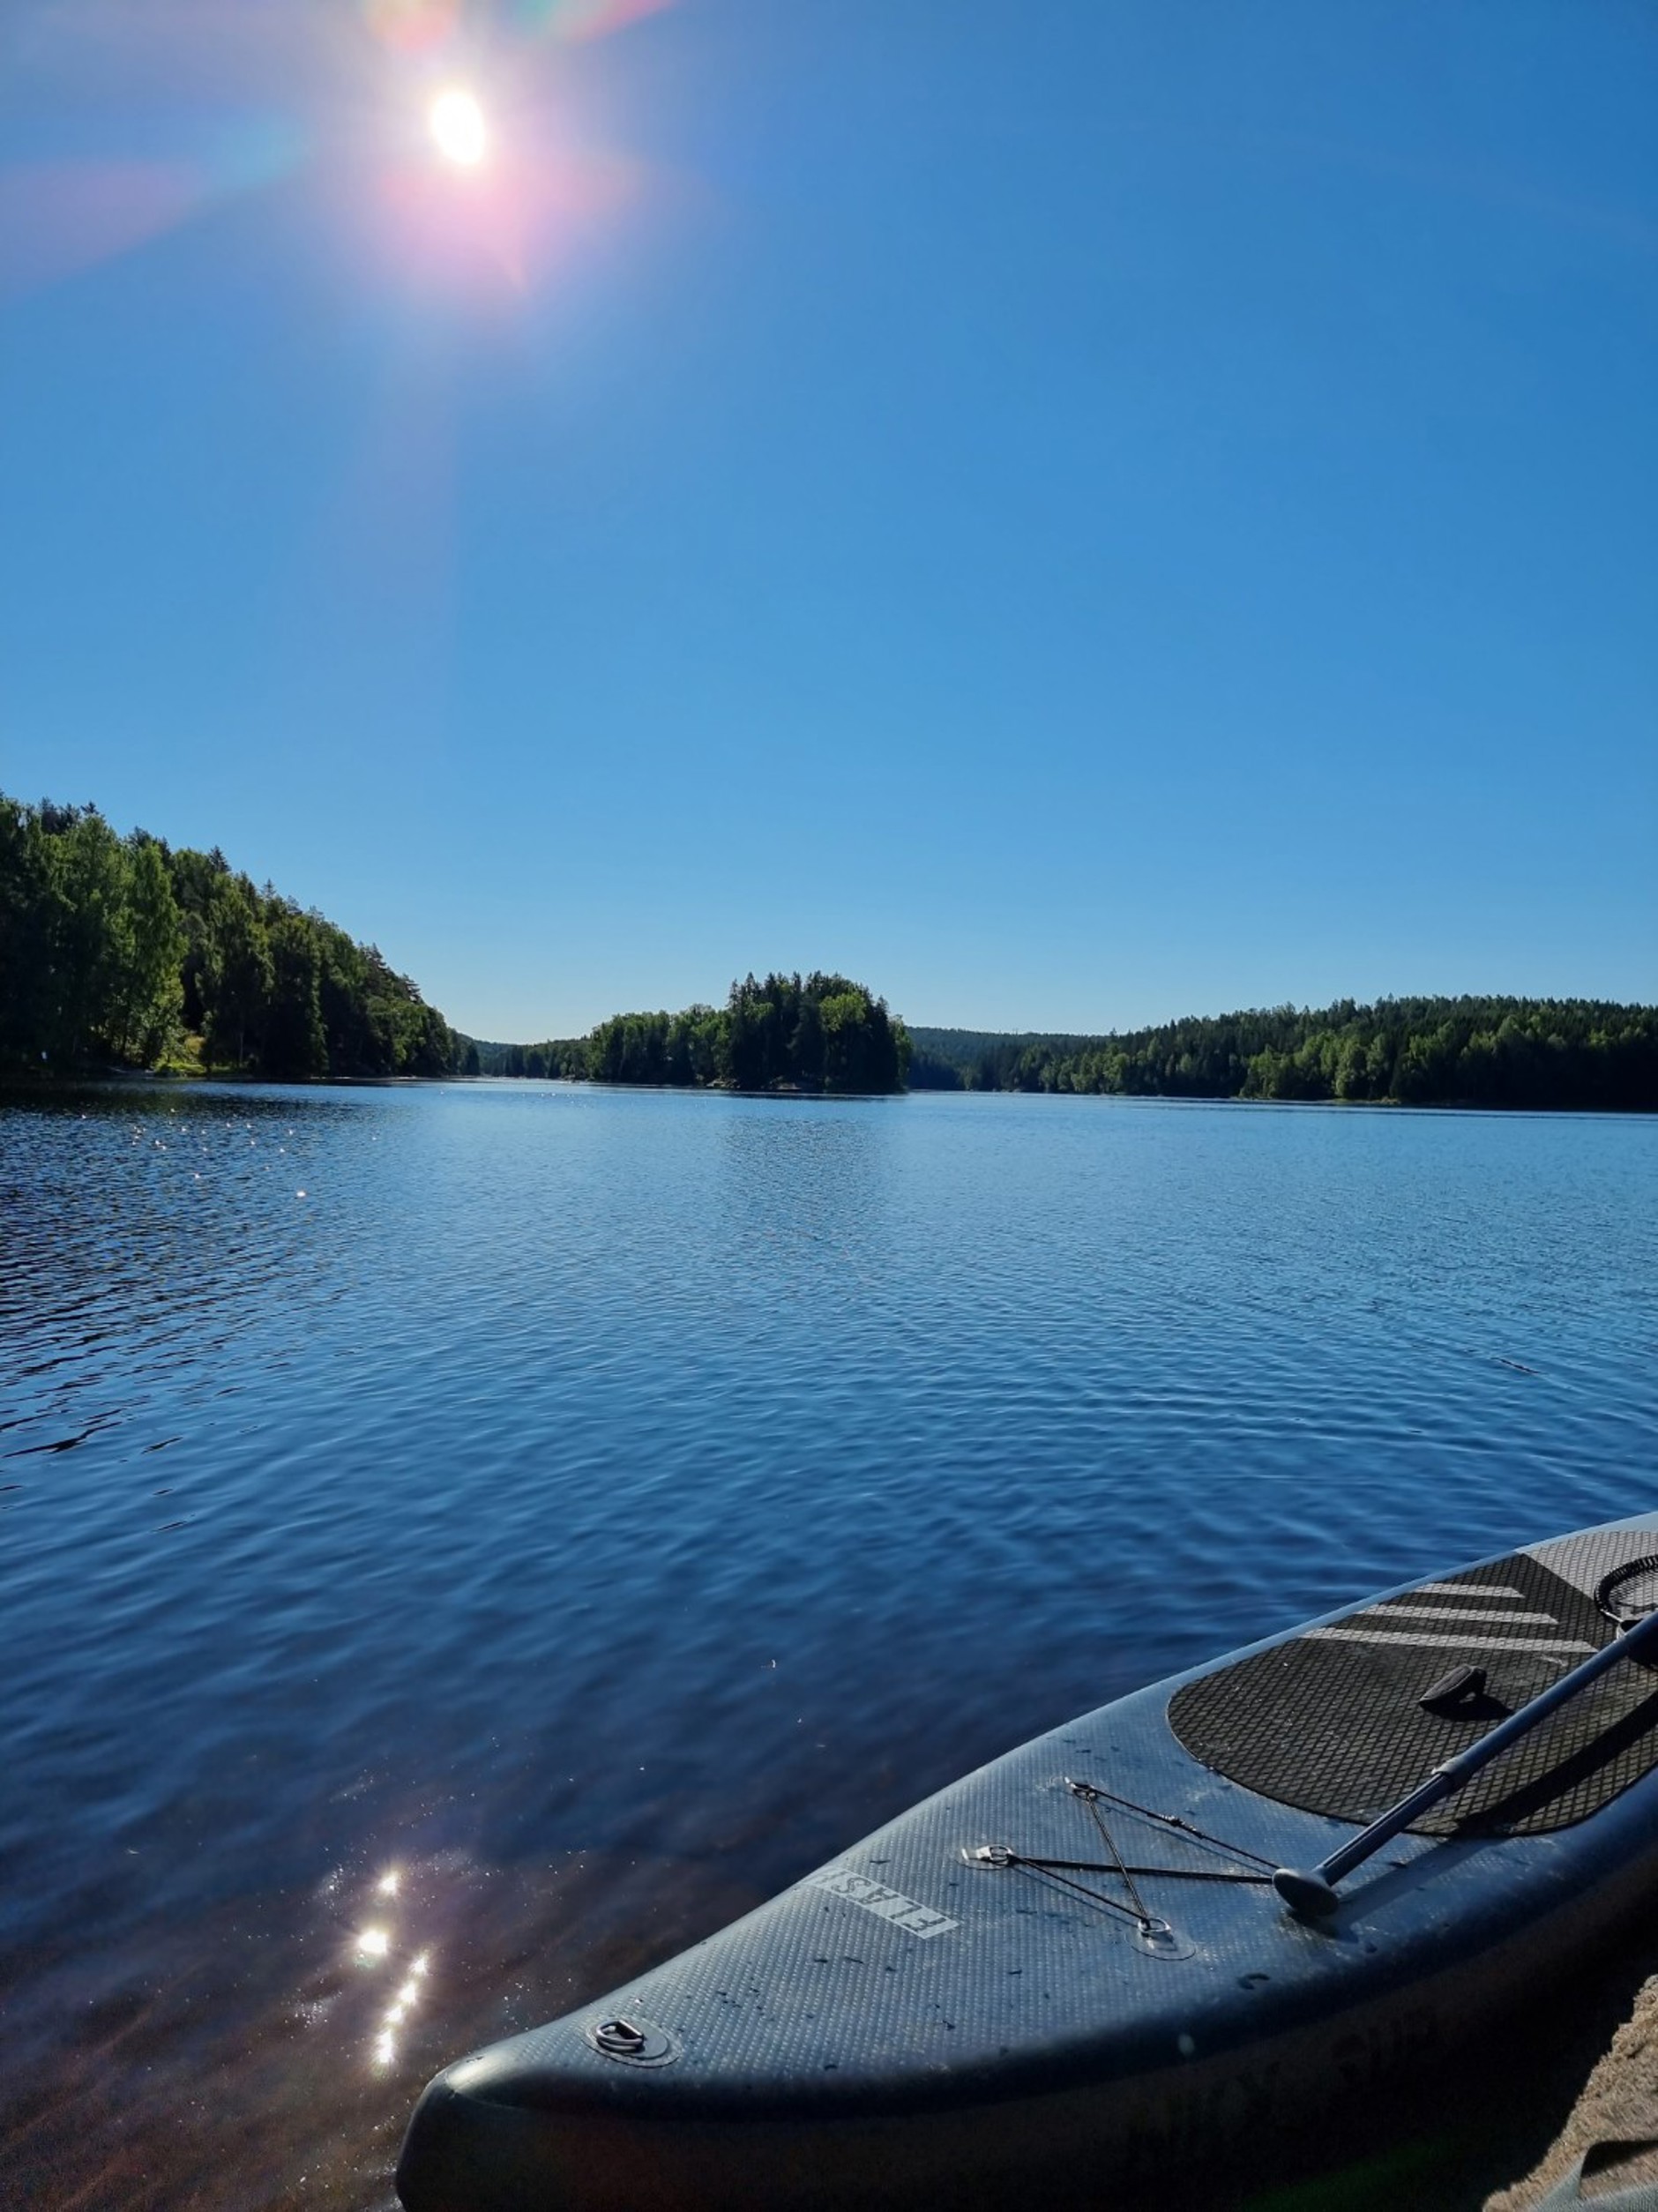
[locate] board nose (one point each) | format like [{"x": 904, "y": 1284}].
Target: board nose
[
  {"x": 520, "y": 2126},
  {"x": 557, "y": 2119},
  {"x": 493, "y": 2135},
  {"x": 463, "y": 2151}
]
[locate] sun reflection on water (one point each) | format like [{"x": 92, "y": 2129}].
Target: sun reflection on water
[{"x": 376, "y": 1943}]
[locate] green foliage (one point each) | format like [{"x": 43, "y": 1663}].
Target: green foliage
[
  {"x": 149, "y": 997},
  {"x": 825, "y": 1033},
  {"x": 31, "y": 924},
  {"x": 91, "y": 940},
  {"x": 111, "y": 949},
  {"x": 237, "y": 974},
  {"x": 821, "y": 1033},
  {"x": 295, "y": 1045},
  {"x": 1496, "y": 1052}
]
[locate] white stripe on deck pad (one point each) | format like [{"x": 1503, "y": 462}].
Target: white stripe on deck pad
[
  {"x": 1457, "y": 1643},
  {"x": 1452, "y": 1612},
  {"x": 1468, "y": 1589}
]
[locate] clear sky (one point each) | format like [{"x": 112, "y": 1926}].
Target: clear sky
[{"x": 1073, "y": 511}]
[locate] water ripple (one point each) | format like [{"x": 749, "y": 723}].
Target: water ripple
[{"x": 599, "y": 1507}]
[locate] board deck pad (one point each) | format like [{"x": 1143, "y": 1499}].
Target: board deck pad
[{"x": 1330, "y": 1722}]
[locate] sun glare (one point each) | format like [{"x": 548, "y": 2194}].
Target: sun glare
[{"x": 457, "y": 127}]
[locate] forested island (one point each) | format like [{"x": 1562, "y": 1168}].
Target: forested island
[
  {"x": 1552, "y": 1053},
  {"x": 120, "y": 951},
  {"x": 824, "y": 1033}
]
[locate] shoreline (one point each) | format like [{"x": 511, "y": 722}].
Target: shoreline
[
  {"x": 1617, "y": 2103},
  {"x": 30, "y": 1082}
]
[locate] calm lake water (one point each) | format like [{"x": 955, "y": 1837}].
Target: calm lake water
[{"x": 588, "y": 1511}]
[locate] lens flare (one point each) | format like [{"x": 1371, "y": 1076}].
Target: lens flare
[
  {"x": 578, "y": 21},
  {"x": 457, "y": 127},
  {"x": 413, "y": 26}
]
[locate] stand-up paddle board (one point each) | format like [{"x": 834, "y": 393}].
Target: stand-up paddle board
[{"x": 1212, "y": 1909}]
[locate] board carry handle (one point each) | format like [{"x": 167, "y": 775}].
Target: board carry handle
[{"x": 1312, "y": 1892}]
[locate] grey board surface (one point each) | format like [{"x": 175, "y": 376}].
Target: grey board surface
[
  {"x": 918, "y": 2016},
  {"x": 1331, "y": 1719}
]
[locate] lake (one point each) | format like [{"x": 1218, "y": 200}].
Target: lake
[{"x": 459, "y": 1543}]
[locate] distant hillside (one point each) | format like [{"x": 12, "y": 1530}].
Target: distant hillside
[
  {"x": 951, "y": 1059},
  {"x": 1513, "y": 1052}
]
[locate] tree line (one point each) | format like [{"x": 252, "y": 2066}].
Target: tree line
[
  {"x": 786, "y": 1032},
  {"x": 1511, "y": 1052},
  {"x": 120, "y": 951}
]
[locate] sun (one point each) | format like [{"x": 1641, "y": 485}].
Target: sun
[{"x": 458, "y": 125}]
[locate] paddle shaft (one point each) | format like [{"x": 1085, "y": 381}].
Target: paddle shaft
[{"x": 1449, "y": 1777}]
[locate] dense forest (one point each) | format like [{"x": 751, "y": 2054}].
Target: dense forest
[
  {"x": 822, "y": 1034},
  {"x": 118, "y": 951},
  {"x": 1535, "y": 1052}
]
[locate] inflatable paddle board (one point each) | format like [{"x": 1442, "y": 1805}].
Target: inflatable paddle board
[{"x": 1210, "y": 1909}]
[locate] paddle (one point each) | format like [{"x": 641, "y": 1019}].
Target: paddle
[{"x": 1312, "y": 1892}]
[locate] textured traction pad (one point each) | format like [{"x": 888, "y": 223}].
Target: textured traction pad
[{"x": 1329, "y": 1721}]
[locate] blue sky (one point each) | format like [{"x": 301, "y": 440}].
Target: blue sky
[{"x": 1074, "y": 512}]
